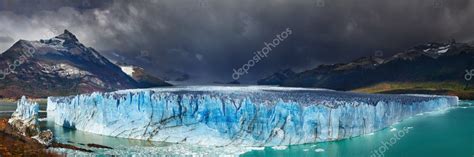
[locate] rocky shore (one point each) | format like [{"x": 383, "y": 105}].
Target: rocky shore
[
  {"x": 13, "y": 143},
  {"x": 21, "y": 136}
]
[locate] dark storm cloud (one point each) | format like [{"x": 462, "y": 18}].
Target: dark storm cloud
[
  {"x": 208, "y": 38},
  {"x": 6, "y": 39}
]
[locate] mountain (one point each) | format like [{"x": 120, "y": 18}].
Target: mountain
[
  {"x": 142, "y": 77},
  {"x": 432, "y": 68},
  {"x": 277, "y": 78},
  {"x": 58, "y": 66},
  {"x": 233, "y": 82},
  {"x": 175, "y": 75}
]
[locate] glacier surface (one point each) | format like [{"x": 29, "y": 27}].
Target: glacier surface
[{"x": 244, "y": 116}]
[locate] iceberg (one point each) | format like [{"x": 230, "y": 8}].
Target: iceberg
[{"x": 244, "y": 115}]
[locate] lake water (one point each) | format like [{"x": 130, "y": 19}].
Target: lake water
[
  {"x": 6, "y": 109},
  {"x": 446, "y": 133}
]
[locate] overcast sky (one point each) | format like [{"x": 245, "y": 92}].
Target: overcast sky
[{"x": 209, "y": 38}]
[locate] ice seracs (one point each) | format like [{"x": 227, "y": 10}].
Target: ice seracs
[
  {"x": 25, "y": 121},
  {"x": 25, "y": 117},
  {"x": 243, "y": 116},
  {"x": 26, "y": 110}
]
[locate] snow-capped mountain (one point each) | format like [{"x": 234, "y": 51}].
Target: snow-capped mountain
[
  {"x": 58, "y": 66},
  {"x": 277, "y": 77},
  {"x": 141, "y": 76},
  {"x": 427, "y": 68}
]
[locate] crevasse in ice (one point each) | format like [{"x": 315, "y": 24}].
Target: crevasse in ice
[{"x": 244, "y": 116}]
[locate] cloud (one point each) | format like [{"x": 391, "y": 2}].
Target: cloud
[
  {"x": 6, "y": 39},
  {"x": 211, "y": 37}
]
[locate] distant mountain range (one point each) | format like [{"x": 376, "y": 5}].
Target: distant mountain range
[
  {"x": 141, "y": 76},
  {"x": 432, "y": 68},
  {"x": 61, "y": 66},
  {"x": 144, "y": 59}
]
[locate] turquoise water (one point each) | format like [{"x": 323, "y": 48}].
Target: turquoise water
[
  {"x": 447, "y": 133},
  {"x": 6, "y": 109}
]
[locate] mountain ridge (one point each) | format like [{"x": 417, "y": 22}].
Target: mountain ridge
[
  {"x": 58, "y": 66},
  {"x": 444, "y": 63}
]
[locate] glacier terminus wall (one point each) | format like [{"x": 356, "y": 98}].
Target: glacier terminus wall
[{"x": 244, "y": 116}]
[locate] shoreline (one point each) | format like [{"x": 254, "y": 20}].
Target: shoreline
[{"x": 12, "y": 143}]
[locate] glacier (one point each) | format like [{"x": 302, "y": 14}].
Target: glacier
[
  {"x": 26, "y": 112},
  {"x": 25, "y": 121},
  {"x": 237, "y": 115}
]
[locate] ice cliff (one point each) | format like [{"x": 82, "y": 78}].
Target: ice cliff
[
  {"x": 245, "y": 116},
  {"x": 25, "y": 121},
  {"x": 25, "y": 117}
]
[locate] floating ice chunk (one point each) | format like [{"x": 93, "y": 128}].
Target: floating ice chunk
[
  {"x": 393, "y": 129},
  {"x": 279, "y": 147},
  {"x": 257, "y": 148},
  {"x": 319, "y": 150}
]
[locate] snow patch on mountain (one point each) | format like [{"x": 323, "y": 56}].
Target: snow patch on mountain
[{"x": 128, "y": 70}]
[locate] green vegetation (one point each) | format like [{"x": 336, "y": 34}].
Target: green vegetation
[{"x": 463, "y": 91}]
